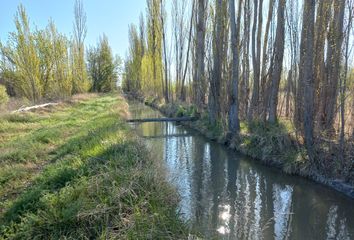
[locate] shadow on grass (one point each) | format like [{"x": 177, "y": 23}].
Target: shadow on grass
[
  {"x": 58, "y": 175},
  {"x": 114, "y": 193}
]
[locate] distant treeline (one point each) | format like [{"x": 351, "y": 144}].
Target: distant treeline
[{"x": 44, "y": 63}]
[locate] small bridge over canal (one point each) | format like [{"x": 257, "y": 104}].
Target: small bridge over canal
[{"x": 174, "y": 119}]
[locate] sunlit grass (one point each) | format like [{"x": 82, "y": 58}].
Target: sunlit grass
[{"x": 77, "y": 172}]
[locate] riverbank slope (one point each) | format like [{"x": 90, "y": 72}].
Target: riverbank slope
[{"x": 76, "y": 170}]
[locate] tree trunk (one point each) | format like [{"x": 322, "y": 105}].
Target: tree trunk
[
  {"x": 288, "y": 92},
  {"x": 278, "y": 63},
  {"x": 200, "y": 55},
  {"x": 333, "y": 66},
  {"x": 265, "y": 59},
  {"x": 245, "y": 59},
  {"x": 256, "y": 57},
  {"x": 214, "y": 94},
  {"x": 234, "y": 124},
  {"x": 306, "y": 75},
  {"x": 183, "y": 90},
  {"x": 343, "y": 85},
  {"x": 322, "y": 20},
  {"x": 166, "y": 93}
]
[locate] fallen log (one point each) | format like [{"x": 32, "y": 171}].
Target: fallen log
[{"x": 25, "y": 109}]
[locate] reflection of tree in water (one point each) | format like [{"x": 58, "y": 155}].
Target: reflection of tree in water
[
  {"x": 176, "y": 155},
  {"x": 198, "y": 177},
  {"x": 232, "y": 190},
  {"x": 336, "y": 228},
  {"x": 282, "y": 207},
  {"x": 256, "y": 231},
  {"x": 226, "y": 196}
]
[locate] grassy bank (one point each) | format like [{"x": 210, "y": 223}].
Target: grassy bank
[
  {"x": 76, "y": 171},
  {"x": 275, "y": 145}
]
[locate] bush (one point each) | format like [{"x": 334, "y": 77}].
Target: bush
[
  {"x": 181, "y": 111},
  {"x": 4, "y": 98}
]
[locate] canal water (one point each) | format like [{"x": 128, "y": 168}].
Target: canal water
[{"x": 226, "y": 195}]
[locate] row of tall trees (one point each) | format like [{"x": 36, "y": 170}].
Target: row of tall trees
[
  {"x": 44, "y": 63},
  {"x": 147, "y": 56},
  {"x": 252, "y": 60}
]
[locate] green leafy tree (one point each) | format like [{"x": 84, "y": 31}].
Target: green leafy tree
[
  {"x": 21, "y": 52},
  {"x": 132, "y": 82},
  {"x": 102, "y": 67},
  {"x": 36, "y": 64}
]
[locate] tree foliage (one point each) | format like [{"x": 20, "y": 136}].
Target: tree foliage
[
  {"x": 44, "y": 63},
  {"x": 144, "y": 66},
  {"x": 102, "y": 66},
  {"x": 37, "y": 63}
]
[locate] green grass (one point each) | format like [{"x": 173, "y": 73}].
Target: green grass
[
  {"x": 271, "y": 143},
  {"x": 76, "y": 171}
]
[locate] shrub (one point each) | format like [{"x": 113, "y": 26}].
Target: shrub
[
  {"x": 4, "y": 98},
  {"x": 181, "y": 111}
]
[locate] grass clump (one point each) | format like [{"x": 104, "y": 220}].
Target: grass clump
[
  {"x": 270, "y": 143},
  {"x": 91, "y": 178}
]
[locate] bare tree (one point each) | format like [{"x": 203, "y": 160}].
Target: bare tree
[
  {"x": 178, "y": 23},
  {"x": 244, "y": 93},
  {"x": 256, "y": 55},
  {"x": 79, "y": 68},
  {"x": 277, "y": 63},
  {"x": 200, "y": 55},
  {"x": 343, "y": 79},
  {"x": 215, "y": 81},
  {"x": 292, "y": 16},
  {"x": 183, "y": 90},
  {"x": 265, "y": 58},
  {"x": 234, "y": 124},
  {"x": 306, "y": 75},
  {"x": 80, "y": 28},
  {"x": 321, "y": 25},
  {"x": 333, "y": 61},
  {"x": 163, "y": 26}
]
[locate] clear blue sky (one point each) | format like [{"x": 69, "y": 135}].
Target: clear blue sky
[{"x": 111, "y": 17}]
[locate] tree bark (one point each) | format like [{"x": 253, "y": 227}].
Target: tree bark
[
  {"x": 306, "y": 75},
  {"x": 166, "y": 92},
  {"x": 334, "y": 58},
  {"x": 322, "y": 20},
  {"x": 343, "y": 82},
  {"x": 265, "y": 59},
  {"x": 183, "y": 90},
  {"x": 256, "y": 57},
  {"x": 234, "y": 124},
  {"x": 214, "y": 93},
  {"x": 278, "y": 62},
  {"x": 200, "y": 55},
  {"x": 245, "y": 59},
  {"x": 288, "y": 91}
]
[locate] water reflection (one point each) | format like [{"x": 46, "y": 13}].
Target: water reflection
[{"x": 228, "y": 196}]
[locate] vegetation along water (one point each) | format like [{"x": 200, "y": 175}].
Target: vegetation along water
[{"x": 197, "y": 119}]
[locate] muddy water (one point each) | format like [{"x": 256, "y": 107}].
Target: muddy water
[{"x": 229, "y": 196}]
